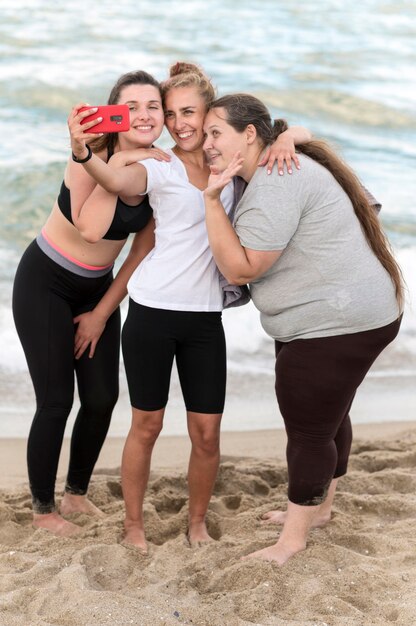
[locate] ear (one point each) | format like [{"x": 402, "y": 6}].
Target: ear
[{"x": 251, "y": 133}]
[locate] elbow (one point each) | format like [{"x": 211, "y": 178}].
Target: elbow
[
  {"x": 112, "y": 186},
  {"x": 234, "y": 278},
  {"x": 90, "y": 236}
]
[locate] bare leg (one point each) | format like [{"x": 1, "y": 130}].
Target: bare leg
[
  {"x": 55, "y": 524},
  {"x": 322, "y": 515},
  {"x": 325, "y": 510},
  {"x": 135, "y": 469},
  {"x": 204, "y": 431},
  {"x": 72, "y": 503},
  {"x": 293, "y": 537}
]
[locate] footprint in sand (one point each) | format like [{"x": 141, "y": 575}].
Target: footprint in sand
[{"x": 102, "y": 562}]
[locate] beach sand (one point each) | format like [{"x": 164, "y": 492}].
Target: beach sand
[{"x": 359, "y": 570}]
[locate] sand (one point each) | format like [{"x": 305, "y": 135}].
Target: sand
[{"x": 359, "y": 570}]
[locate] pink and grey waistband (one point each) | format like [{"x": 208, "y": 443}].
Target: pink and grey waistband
[{"x": 69, "y": 263}]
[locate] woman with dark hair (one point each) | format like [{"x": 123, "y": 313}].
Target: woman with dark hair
[
  {"x": 323, "y": 276},
  {"x": 62, "y": 275}
]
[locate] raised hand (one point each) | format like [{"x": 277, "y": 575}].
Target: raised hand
[
  {"x": 218, "y": 180},
  {"x": 78, "y": 132}
]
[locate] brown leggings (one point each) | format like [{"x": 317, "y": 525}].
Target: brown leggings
[{"x": 316, "y": 381}]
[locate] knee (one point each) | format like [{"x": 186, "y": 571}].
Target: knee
[
  {"x": 146, "y": 428},
  {"x": 207, "y": 444},
  {"x": 56, "y": 407},
  {"x": 100, "y": 404}
]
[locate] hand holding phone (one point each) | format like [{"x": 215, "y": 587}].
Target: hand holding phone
[{"x": 115, "y": 118}]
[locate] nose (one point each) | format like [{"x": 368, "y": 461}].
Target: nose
[
  {"x": 142, "y": 113},
  {"x": 180, "y": 122},
  {"x": 207, "y": 143}
]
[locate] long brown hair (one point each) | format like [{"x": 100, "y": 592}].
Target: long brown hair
[
  {"x": 140, "y": 77},
  {"x": 244, "y": 109}
]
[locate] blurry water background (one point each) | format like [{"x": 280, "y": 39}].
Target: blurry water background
[{"x": 344, "y": 70}]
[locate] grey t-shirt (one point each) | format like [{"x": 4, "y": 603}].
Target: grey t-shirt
[{"x": 327, "y": 280}]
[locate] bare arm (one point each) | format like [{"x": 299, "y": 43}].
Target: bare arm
[
  {"x": 92, "y": 324},
  {"x": 94, "y": 217},
  {"x": 129, "y": 181},
  {"x": 96, "y": 214},
  {"x": 238, "y": 264}
]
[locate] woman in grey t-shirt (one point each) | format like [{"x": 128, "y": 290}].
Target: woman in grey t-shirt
[{"x": 326, "y": 283}]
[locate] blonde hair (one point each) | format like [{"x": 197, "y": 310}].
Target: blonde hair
[{"x": 182, "y": 74}]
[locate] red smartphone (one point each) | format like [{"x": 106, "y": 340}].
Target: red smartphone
[{"x": 116, "y": 118}]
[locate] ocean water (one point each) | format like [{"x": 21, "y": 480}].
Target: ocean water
[{"x": 344, "y": 71}]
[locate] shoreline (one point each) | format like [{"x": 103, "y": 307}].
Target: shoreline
[{"x": 250, "y": 402}]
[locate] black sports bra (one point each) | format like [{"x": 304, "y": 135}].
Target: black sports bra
[{"x": 127, "y": 219}]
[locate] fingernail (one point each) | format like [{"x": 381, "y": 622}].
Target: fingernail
[
  {"x": 269, "y": 172},
  {"x": 290, "y": 171},
  {"x": 280, "y": 172}
]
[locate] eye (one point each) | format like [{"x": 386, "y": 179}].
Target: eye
[
  {"x": 215, "y": 133},
  {"x": 168, "y": 114}
]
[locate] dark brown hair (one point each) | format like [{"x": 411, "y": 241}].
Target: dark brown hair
[
  {"x": 139, "y": 77},
  {"x": 244, "y": 109},
  {"x": 183, "y": 74}
]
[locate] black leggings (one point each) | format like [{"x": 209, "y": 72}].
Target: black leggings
[
  {"x": 152, "y": 338},
  {"x": 46, "y": 298},
  {"x": 316, "y": 381}
]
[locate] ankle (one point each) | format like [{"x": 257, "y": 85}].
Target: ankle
[
  {"x": 72, "y": 497},
  {"x": 291, "y": 544},
  {"x": 197, "y": 520},
  {"x": 130, "y": 524}
]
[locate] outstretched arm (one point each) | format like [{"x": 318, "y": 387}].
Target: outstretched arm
[
  {"x": 238, "y": 264},
  {"x": 94, "y": 217},
  {"x": 130, "y": 180},
  {"x": 92, "y": 324}
]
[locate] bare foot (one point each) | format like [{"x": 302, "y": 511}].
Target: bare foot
[
  {"x": 279, "y": 517},
  {"x": 198, "y": 534},
  {"x": 134, "y": 537},
  {"x": 279, "y": 553},
  {"x": 71, "y": 503},
  {"x": 55, "y": 524}
]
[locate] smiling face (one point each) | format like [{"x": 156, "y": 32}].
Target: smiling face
[
  {"x": 185, "y": 110},
  {"x": 146, "y": 115},
  {"x": 222, "y": 141}
]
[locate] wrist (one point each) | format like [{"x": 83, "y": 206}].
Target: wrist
[
  {"x": 82, "y": 157},
  {"x": 212, "y": 197}
]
